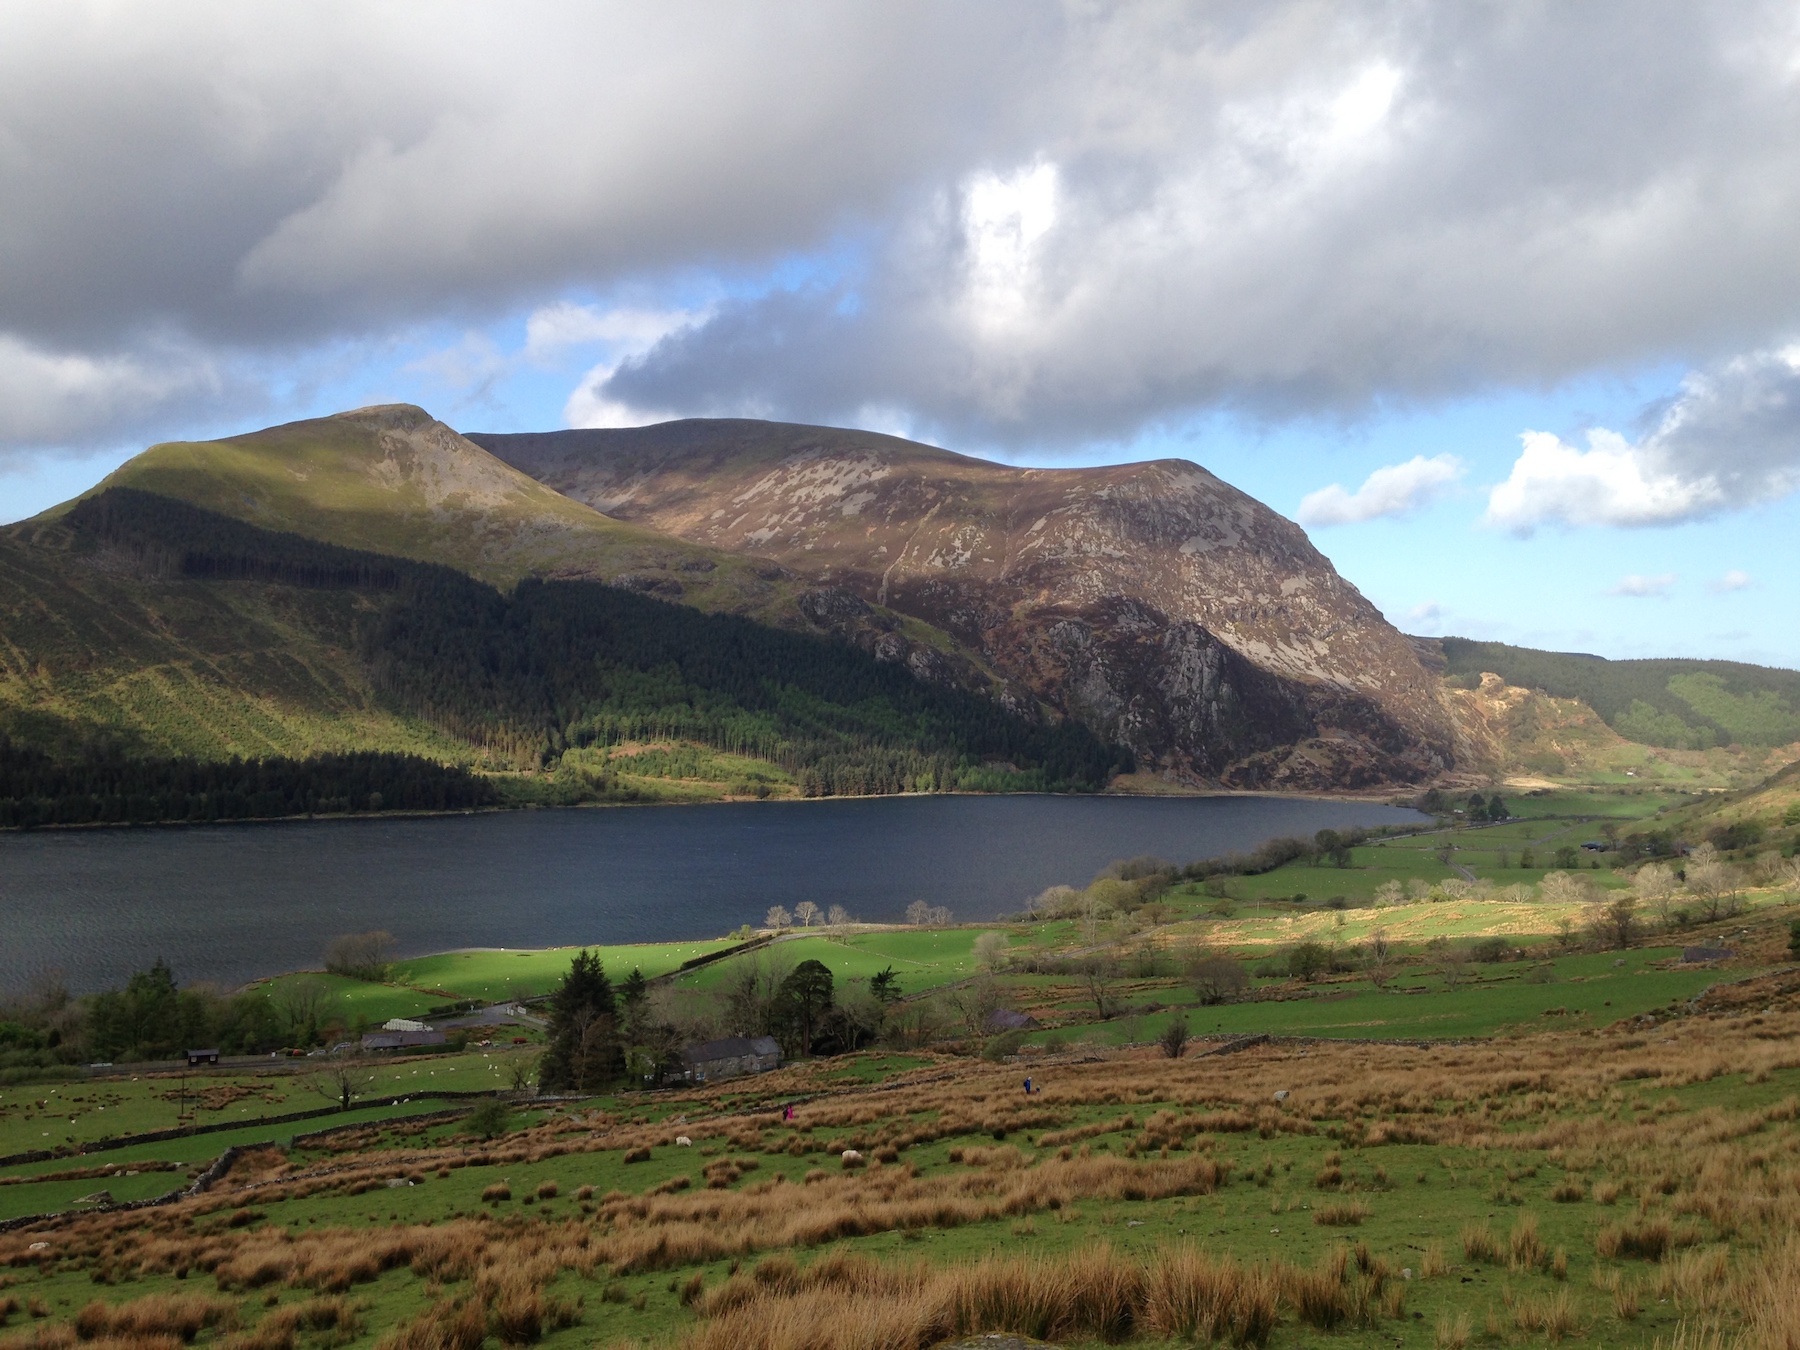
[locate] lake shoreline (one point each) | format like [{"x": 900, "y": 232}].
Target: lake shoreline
[{"x": 1371, "y": 798}]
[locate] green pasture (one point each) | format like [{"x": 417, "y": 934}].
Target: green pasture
[
  {"x": 351, "y": 1002},
  {"x": 126, "y": 1183},
  {"x": 1516, "y": 997},
  {"x": 498, "y": 973},
  {"x": 77, "y": 1112},
  {"x": 922, "y": 958},
  {"x": 1417, "y": 1199}
]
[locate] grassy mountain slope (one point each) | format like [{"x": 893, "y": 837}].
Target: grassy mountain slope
[
  {"x": 97, "y": 650},
  {"x": 1765, "y": 815},
  {"x": 393, "y": 480},
  {"x": 158, "y": 628},
  {"x": 1676, "y": 704}
]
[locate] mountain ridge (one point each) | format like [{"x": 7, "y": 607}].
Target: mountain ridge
[{"x": 1166, "y": 608}]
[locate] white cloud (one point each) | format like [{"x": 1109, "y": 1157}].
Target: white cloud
[
  {"x": 1004, "y": 219},
  {"x": 553, "y": 329},
  {"x": 629, "y": 333},
  {"x": 1611, "y": 483},
  {"x": 1016, "y": 223},
  {"x": 1730, "y": 439},
  {"x": 1642, "y": 587},
  {"x": 1391, "y": 491},
  {"x": 70, "y": 398},
  {"x": 1733, "y": 580}
]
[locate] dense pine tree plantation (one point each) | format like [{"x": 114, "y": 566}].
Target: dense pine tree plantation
[{"x": 110, "y": 789}]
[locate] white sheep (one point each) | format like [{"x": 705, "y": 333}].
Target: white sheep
[{"x": 682, "y": 1141}]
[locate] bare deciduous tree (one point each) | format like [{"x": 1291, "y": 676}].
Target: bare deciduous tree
[
  {"x": 975, "y": 1002},
  {"x": 1217, "y": 978},
  {"x": 1055, "y": 902},
  {"x": 1452, "y": 964},
  {"x": 1786, "y": 874},
  {"x": 1621, "y": 918},
  {"x": 837, "y": 916},
  {"x": 807, "y": 912},
  {"x": 342, "y": 1081},
  {"x": 990, "y": 950},
  {"x": 1174, "y": 1036},
  {"x": 1381, "y": 958},
  {"x": 297, "y": 1003},
  {"x": 1654, "y": 886},
  {"x": 1100, "y": 974},
  {"x": 362, "y": 956},
  {"x": 1713, "y": 883},
  {"x": 778, "y": 917}
]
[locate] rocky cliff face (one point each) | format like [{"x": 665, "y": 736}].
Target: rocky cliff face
[{"x": 1153, "y": 601}]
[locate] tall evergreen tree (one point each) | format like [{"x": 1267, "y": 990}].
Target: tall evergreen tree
[
  {"x": 802, "y": 1002},
  {"x": 584, "y": 1044}
]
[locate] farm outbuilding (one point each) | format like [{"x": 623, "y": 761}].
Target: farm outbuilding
[{"x": 706, "y": 1061}]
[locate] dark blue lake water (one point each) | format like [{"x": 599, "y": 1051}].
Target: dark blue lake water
[{"x": 228, "y": 903}]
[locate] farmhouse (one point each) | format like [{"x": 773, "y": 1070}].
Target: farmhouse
[
  {"x": 705, "y": 1061},
  {"x": 402, "y": 1040}
]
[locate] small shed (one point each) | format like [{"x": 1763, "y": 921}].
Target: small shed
[
  {"x": 706, "y": 1061},
  {"x": 1697, "y": 955},
  {"x": 195, "y": 1058},
  {"x": 402, "y": 1040},
  {"x": 1010, "y": 1019}
]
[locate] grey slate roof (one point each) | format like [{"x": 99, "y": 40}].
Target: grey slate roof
[{"x": 731, "y": 1047}]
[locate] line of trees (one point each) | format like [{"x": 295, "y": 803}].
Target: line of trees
[
  {"x": 602, "y": 1032},
  {"x": 109, "y": 788}
]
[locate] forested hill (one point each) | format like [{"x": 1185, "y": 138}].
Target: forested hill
[
  {"x": 1675, "y": 703},
  {"x": 539, "y": 678}
]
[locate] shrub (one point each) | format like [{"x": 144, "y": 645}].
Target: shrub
[
  {"x": 494, "y": 1194},
  {"x": 489, "y": 1120},
  {"x": 1307, "y": 960},
  {"x": 1341, "y": 1214},
  {"x": 1174, "y": 1037}
]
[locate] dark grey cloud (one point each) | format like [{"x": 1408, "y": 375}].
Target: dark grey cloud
[{"x": 1077, "y": 220}]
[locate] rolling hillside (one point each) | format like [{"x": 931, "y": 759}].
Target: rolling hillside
[{"x": 1676, "y": 704}]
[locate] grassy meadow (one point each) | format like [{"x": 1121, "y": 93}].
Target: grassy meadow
[
  {"x": 1600, "y": 1187},
  {"x": 1505, "y": 1134}
]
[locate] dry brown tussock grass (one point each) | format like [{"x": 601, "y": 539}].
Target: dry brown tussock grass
[
  {"x": 852, "y": 1303},
  {"x": 662, "y": 1232}
]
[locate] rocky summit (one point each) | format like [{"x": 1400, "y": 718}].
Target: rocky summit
[{"x": 1152, "y": 601}]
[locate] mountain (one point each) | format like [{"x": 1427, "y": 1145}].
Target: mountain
[
  {"x": 138, "y": 629},
  {"x": 394, "y": 480},
  {"x": 1153, "y": 602}
]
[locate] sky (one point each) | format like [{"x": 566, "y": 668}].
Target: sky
[{"x": 1500, "y": 302}]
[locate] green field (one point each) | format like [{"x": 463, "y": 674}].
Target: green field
[
  {"x": 496, "y": 974},
  {"x": 81, "y": 1111}
]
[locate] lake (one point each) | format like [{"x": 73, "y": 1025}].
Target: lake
[{"x": 229, "y": 903}]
